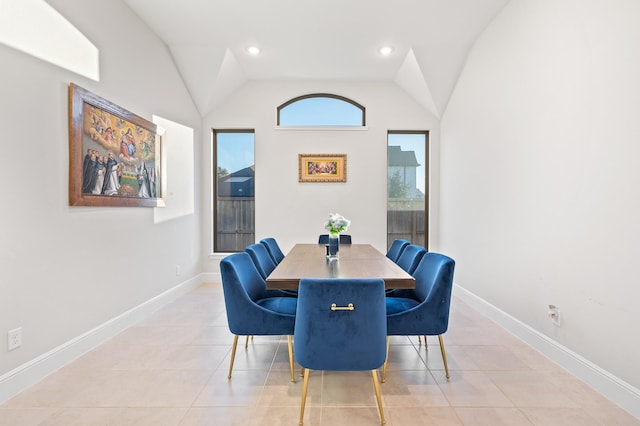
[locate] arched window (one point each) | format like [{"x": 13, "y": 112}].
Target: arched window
[{"x": 321, "y": 109}]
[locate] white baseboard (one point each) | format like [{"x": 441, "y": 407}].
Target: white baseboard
[
  {"x": 611, "y": 387},
  {"x": 211, "y": 277},
  {"x": 30, "y": 373}
]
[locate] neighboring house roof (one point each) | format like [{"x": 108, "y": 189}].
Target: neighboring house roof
[
  {"x": 238, "y": 184},
  {"x": 398, "y": 157},
  {"x": 246, "y": 172}
]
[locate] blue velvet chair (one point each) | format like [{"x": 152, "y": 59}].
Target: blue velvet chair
[
  {"x": 396, "y": 249},
  {"x": 344, "y": 239},
  {"x": 252, "y": 310},
  {"x": 260, "y": 256},
  {"x": 423, "y": 311},
  {"x": 264, "y": 263},
  {"x": 410, "y": 257},
  {"x": 273, "y": 248},
  {"x": 340, "y": 326}
]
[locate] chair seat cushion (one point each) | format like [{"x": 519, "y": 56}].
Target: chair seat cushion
[
  {"x": 399, "y": 304},
  {"x": 282, "y": 305},
  {"x": 404, "y": 293}
]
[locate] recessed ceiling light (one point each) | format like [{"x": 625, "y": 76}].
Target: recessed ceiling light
[
  {"x": 385, "y": 50},
  {"x": 253, "y": 50}
]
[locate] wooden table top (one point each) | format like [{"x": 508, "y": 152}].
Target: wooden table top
[{"x": 355, "y": 261}]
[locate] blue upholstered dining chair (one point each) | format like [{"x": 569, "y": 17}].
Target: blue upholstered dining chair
[
  {"x": 423, "y": 311},
  {"x": 396, "y": 249},
  {"x": 265, "y": 265},
  {"x": 252, "y": 310},
  {"x": 344, "y": 239},
  {"x": 340, "y": 326},
  {"x": 260, "y": 256},
  {"x": 410, "y": 257},
  {"x": 273, "y": 248}
]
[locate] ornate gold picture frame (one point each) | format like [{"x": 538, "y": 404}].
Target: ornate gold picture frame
[
  {"x": 322, "y": 167},
  {"x": 115, "y": 156}
]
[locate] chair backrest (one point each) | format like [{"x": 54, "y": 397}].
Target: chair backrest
[
  {"x": 274, "y": 249},
  {"x": 243, "y": 286},
  {"x": 397, "y": 246},
  {"x": 262, "y": 259},
  {"x": 344, "y": 239},
  {"x": 340, "y": 340},
  {"x": 434, "y": 279},
  {"x": 248, "y": 283},
  {"x": 411, "y": 257}
]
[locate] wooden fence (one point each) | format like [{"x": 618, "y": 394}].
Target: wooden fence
[
  {"x": 406, "y": 219},
  {"x": 236, "y": 224}
]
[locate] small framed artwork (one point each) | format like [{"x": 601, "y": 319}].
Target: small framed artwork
[
  {"x": 322, "y": 167},
  {"x": 115, "y": 156}
]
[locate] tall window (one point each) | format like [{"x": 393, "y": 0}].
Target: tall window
[
  {"x": 408, "y": 186},
  {"x": 234, "y": 206},
  {"x": 321, "y": 109}
]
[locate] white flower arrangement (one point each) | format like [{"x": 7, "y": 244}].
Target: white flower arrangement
[{"x": 336, "y": 224}]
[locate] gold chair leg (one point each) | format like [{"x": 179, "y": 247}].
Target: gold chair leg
[
  {"x": 290, "y": 345},
  {"x": 425, "y": 342},
  {"x": 376, "y": 387},
  {"x": 305, "y": 385},
  {"x": 444, "y": 356},
  {"x": 246, "y": 343},
  {"x": 233, "y": 354},
  {"x": 386, "y": 360}
]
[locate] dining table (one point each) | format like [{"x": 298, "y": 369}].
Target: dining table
[{"x": 353, "y": 261}]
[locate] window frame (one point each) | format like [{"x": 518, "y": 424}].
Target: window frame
[
  {"x": 214, "y": 156},
  {"x": 426, "y": 180},
  {"x": 321, "y": 95}
]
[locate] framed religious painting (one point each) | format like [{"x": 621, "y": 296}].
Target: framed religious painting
[
  {"x": 322, "y": 167},
  {"x": 115, "y": 156}
]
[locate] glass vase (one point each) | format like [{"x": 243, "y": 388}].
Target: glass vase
[{"x": 334, "y": 245}]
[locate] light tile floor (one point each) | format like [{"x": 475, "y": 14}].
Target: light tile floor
[{"x": 171, "y": 369}]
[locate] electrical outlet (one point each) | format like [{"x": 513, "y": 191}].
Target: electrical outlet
[
  {"x": 554, "y": 315},
  {"x": 14, "y": 338},
  {"x": 178, "y": 270}
]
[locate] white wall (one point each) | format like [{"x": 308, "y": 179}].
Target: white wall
[
  {"x": 295, "y": 212},
  {"x": 66, "y": 270},
  {"x": 540, "y": 196}
]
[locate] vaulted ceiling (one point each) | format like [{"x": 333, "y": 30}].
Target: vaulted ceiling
[{"x": 319, "y": 40}]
